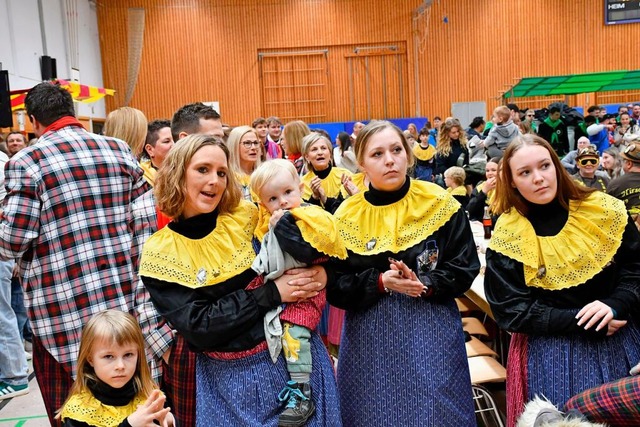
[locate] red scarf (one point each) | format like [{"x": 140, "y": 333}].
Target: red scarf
[{"x": 63, "y": 123}]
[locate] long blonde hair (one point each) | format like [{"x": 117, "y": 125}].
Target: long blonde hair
[
  {"x": 128, "y": 124},
  {"x": 116, "y": 327},
  {"x": 443, "y": 147},
  {"x": 170, "y": 189},
  {"x": 234, "y": 146}
]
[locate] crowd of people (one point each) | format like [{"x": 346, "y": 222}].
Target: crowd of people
[{"x": 181, "y": 272}]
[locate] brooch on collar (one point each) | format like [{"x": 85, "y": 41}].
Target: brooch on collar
[
  {"x": 371, "y": 244},
  {"x": 201, "y": 276}
]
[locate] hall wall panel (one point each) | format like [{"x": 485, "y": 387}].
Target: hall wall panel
[{"x": 197, "y": 50}]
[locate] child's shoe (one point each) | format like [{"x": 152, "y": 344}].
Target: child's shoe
[{"x": 299, "y": 406}]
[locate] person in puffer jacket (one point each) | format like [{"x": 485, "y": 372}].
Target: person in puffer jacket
[{"x": 502, "y": 133}]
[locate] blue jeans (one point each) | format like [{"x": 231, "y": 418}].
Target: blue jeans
[
  {"x": 13, "y": 361},
  {"x": 17, "y": 303}
]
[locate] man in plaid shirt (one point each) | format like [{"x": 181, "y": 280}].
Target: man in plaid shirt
[{"x": 73, "y": 215}]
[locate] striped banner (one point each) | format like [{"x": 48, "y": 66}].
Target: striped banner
[{"x": 79, "y": 92}]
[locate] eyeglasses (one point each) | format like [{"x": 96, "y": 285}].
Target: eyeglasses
[
  {"x": 249, "y": 144},
  {"x": 585, "y": 162}
]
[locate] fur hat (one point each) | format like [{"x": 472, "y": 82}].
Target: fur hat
[
  {"x": 632, "y": 152},
  {"x": 539, "y": 412},
  {"x": 589, "y": 151}
]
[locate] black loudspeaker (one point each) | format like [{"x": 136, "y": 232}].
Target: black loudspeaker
[
  {"x": 48, "y": 68},
  {"x": 6, "y": 118}
]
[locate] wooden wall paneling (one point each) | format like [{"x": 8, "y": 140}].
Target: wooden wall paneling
[
  {"x": 298, "y": 88},
  {"x": 198, "y": 50}
]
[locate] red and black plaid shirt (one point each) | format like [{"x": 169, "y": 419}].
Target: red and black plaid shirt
[
  {"x": 70, "y": 217},
  {"x": 616, "y": 403}
]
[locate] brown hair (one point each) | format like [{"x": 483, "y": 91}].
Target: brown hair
[
  {"x": 293, "y": 134},
  {"x": 116, "y": 327},
  {"x": 371, "y": 129},
  {"x": 170, "y": 189},
  {"x": 128, "y": 124},
  {"x": 443, "y": 147},
  {"x": 507, "y": 196}
]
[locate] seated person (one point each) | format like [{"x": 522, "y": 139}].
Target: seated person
[
  {"x": 454, "y": 180},
  {"x": 569, "y": 161},
  {"x": 588, "y": 161},
  {"x": 482, "y": 194}
]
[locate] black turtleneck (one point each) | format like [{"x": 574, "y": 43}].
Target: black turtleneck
[
  {"x": 196, "y": 227},
  {"x": 323, "y": 173},
  {"x": 547, "y": 220},
  {"x": 113, "y": 396},
  {"x": 383, "y": 198}
]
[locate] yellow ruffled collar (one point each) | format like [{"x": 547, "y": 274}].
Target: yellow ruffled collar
[
  {"x": 489, "y": 194},
  {"x": 317, "y": 226},
  {"x": 368, "y": 230},
  {"x": 358, "y": 180},
  {"x": 149, "y": 171},
  {"x": 332, "y": 184},
  {"x": 458, "y": 191},
  {"x": 86, "y": 408},
  {"x": 219, "y": 256},
  {"x": 424, "y": 154},
  {"x": 584, "y": 246}
]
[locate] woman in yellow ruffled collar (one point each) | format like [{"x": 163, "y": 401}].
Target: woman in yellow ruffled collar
[
  {"x": 114, "y": 385},
  {"x": 411, "y": 251},
  {"x": 198, "y": 272},
  {"x": 246, "y": 152},
  {"x": 156, "y": 147},
  {"x": 482, "y": 195},
  {"x": 563, "y": 276},
  {"x": 323, "y": 183}
]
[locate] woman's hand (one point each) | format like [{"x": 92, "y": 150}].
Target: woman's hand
[
  {"x": 152, "y": 409},
  {"x": 348, "y": 185},
  {"x": 318, "y": 191},
  {"x": 301, "y": 283},
  {"x": 489, "y": 185},
  {"x": 614, "y": 325},
  {"x": 399, "y": 278},
  {"x": 595, "y": 312}
]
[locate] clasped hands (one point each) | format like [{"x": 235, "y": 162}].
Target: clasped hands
[
  {"x": 400, "y": 278},
  {"x": 301, "y": 283}
]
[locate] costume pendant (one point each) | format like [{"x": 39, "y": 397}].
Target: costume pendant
[
  {"x": 371, "y": 244},
  {"x": 201, "y": 276}
]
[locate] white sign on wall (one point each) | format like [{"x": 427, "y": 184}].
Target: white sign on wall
[{"x": 214, "y": 104}]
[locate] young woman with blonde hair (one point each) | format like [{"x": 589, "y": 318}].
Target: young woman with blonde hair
[
  {"x": 245, "y": 150},
  {"x": 114, "y": 384}
]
